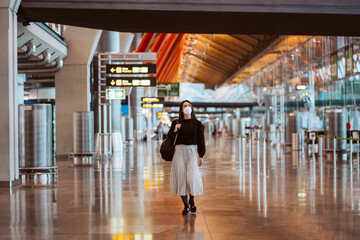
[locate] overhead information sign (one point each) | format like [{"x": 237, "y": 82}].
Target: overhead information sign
[
  {"x": 130, "y": 68},
  {"x": 152, "y": 105},
  {"x": 115, "y": 93},
  {"x": 333, "y": 66},
  {"x": 152, "y": 99},
  {"x": 131, "y": 81},
  {"x": 300, "y": 87},
  {"x": 168, "y": 89}
]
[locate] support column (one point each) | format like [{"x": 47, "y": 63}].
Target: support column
[
  {"x": 135, "y": 100},
  {"x": 111, "y": 43},
  {"x": 72, "y": 83},
  {"x": 125, "y": 41},
  {"x": 9, "y": 161}
]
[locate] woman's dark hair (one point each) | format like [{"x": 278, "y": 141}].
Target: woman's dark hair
[{"x": 181, "y": 114}]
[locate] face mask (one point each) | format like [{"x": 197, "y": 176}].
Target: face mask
[{"x": 187, "y": 110}]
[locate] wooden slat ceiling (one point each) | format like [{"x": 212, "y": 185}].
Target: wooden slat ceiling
[
  {"x": 285, "y": 45},
  {"x": 213, "y": 58}
]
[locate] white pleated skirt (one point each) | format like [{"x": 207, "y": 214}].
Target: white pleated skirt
[{"x": 185, "y": 177}]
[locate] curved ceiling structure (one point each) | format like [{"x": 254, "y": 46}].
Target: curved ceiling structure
[
  {"x": 214, "y": 58},
  {"x": 233, "y": 33}
]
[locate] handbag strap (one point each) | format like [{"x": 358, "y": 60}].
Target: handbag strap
[
  {"x": 175, "y": 139},
  {"x": 177, "y": 121}
]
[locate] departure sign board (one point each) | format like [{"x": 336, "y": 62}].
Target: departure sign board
[
  {"x": 131, "y": 81},
  {"x": 130, "y": 68},
  {"x": 152, "y": 105},
  {"x": 152, "y": 99}
]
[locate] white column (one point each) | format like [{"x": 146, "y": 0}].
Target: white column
[
  {"x": 72, "y": 83},
  {"x": 9, "y": 167},
  {"x": 125, "y": 41}
]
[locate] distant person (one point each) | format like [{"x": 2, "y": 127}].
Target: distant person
[
  {"x": 160, "y": 131},
  {"x": 185, "y": 178}
]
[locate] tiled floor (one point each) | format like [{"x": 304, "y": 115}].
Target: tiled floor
[{"x": 127, "y": 197}]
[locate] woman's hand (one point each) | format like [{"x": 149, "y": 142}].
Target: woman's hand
[
  {"x": 177, "y": 127},
  {"x": 200, "y": 162}
]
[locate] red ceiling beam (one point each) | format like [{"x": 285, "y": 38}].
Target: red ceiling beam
[
  {"x": 159, "y": 42},
  {"x": 173, "y": 58},
  {"x": 145, "y": 42},
  {"x": 169, "y": 65},
  {"x": 165, "y": 51}
]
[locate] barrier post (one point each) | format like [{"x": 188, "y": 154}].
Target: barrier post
[
  {"x": 258, "y": 155},
  {"x": 240, "y": 139},
  {"x": 264, "y": 158},
  {"x": 334, "y": 145},
  {"x": 250, "y": 152},
  {"x": 243, "y": 153},
  {"x": 313, "y": 148},
  {"x": 321, "y": 165},
  {"x": 357, "y": 157},
  {"x": 320, "y": 148},
  {"x": 351, "y": 157}
]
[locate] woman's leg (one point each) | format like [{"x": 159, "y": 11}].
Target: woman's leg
[
  {"x": 191, "y": 200},
  {"x": 186, "y": 210},
  {"x": 192, "y": 204},
  {"x": 185, "y": 201}
]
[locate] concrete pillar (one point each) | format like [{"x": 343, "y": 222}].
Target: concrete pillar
[
  {"x": 73, "y": 82},
  {"x": 125, "y": 41},
  {"x": 9, "y": 161},
  {"x": 135, "y": 100},
  {"x": 111, "y": 41}
]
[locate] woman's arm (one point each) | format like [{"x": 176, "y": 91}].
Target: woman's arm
[{"x": 201, "y": 140}]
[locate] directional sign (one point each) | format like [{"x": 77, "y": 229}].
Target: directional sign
[
  {"x": 130, "y": 68},
  {"x": 168, "y": 89},
  {"x": 131, "y": 81},
  {"x": 152, "y": 105},
  {"x": 152, "y": 99},
  {"x": 348, "y": 60},
  {"x": 300, "y": 87},
  {"x": 333, "y": 66},
  {"x": 115, "y": 93}
]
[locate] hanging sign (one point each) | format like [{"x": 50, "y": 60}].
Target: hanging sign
[
  {"x": 152, "y": 105},
  {"x": 300, "y": 87},
  {"x": 152, "y": 99},
  {"x": 333, "y": 66},
  {"x": 348, "y": 60},
  {"x": 131, "y": 81},
  {"x": 115, "y": 93},
  {"x": 168, "y": 89},
  {"x": 130, "y": 68}
]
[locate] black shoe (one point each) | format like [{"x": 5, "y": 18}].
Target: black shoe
[
  {"x": 186, "y": 211},
  {"x": 192, "y": 207}
]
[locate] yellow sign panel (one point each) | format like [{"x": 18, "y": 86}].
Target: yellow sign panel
[
  {"x": 131, "y": 68},
  {"x": 131, "y": 81},
  {"x": 150, "y": 99},
  {"x": 152, "y": 105}
]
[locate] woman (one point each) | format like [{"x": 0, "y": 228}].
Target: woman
[{"x": 185, "y": 178}]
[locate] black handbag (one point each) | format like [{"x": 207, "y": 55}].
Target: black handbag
[{"x": 167, "y": 149}]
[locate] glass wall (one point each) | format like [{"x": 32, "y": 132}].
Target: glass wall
[{"x": 309, "y": 74}]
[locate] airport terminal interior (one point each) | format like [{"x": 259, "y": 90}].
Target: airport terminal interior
[{"x": 90, "y": 90}]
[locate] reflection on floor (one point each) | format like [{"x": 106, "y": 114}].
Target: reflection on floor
[{"x": 127, "y": 197}]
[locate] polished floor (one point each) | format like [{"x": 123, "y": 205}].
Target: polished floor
[{"x": 127, "y": 197}]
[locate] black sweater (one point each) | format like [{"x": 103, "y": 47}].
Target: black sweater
[{"x": 190, "y": 133}]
